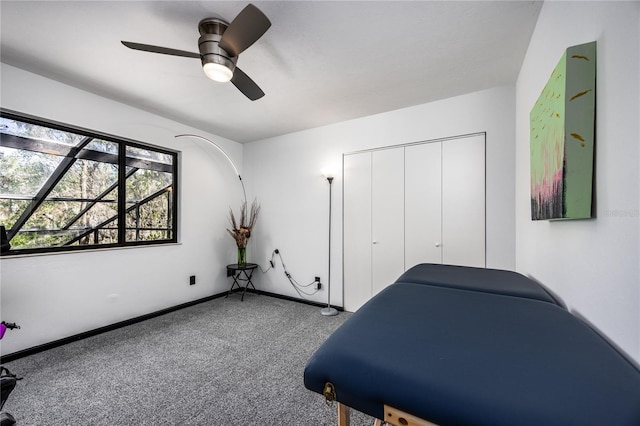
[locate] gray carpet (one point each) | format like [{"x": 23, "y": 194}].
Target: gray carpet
[{"x": 222, "y": 362}]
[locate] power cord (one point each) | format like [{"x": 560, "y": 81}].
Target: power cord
[
  {"x": 272, "y": 265},
  {"x": 295, "y": 284}
]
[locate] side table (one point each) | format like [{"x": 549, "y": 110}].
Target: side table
[{"x": 241, "y": 273}]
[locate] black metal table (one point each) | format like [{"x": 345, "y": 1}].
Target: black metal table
[{"x": 241, "y": 273}]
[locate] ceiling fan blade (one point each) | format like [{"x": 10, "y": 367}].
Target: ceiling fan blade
[
  {"x": 247, "y": 86},
  {"x": 158, "y": 49},
  {"x": 244, "y": 30}
]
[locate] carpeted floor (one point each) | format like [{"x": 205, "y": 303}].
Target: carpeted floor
[{"x": 222, "y": 362}]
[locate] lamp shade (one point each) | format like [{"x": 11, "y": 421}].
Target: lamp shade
[{"x": 328, "y": 172}]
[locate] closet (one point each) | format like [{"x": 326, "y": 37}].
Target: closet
[{"x": 411, "y": 204}]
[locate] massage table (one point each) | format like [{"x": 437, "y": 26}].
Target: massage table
[{"x": 448, "y": 345}]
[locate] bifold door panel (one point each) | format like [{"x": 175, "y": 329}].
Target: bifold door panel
[{"x": 405, "y": 205}]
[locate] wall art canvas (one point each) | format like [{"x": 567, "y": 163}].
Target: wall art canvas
[{"x": 562, "y": 138}]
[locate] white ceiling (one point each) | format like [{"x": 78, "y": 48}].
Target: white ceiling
[{"x": 321, "y": 62}]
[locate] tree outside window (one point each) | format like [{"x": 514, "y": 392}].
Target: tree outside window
[{"x": 65, "y": 189}]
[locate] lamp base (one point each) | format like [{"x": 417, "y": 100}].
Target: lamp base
[{"x": 328, "y": 311}]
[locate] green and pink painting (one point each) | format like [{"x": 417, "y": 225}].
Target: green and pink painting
[{"x": 562, "y": 138}]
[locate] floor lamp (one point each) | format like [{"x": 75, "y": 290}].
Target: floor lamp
[{"x": 329, "y": 311}]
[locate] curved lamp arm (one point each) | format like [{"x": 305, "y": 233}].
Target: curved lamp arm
[{"x": 223, "y": 153}]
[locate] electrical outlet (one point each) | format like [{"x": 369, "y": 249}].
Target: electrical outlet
[
  {"x": 317, "y": 279},
  {"x": 192, "y": 280}
]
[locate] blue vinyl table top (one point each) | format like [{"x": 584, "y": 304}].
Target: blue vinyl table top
[{"x": 458, "y": 357}]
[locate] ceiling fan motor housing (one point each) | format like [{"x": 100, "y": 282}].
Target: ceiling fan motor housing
[{"x": 211, "y": 30}]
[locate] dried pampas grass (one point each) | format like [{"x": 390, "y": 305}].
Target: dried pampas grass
[{"x": 241, "y": 230}]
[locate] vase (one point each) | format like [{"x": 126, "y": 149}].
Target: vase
[{"x": 242, "y": 256}]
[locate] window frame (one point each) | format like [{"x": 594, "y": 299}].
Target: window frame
[{"x": 122, "y": 143}]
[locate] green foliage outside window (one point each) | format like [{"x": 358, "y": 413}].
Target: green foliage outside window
[{"x": 60, "y": 188}]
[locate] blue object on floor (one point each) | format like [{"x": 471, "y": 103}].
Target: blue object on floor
[{"x": 453, "y": 356}]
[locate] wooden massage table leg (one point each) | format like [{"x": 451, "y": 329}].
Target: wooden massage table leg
[{"x": 343, "y": 415}]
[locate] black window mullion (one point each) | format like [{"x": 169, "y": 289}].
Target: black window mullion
[
  {"x": 169, "y": 234},
  {"x": 174, "y": 194},
  {"x": 122, "y": 185}
]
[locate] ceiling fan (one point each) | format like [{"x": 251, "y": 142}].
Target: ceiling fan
[{"x": 219, "y": 44}]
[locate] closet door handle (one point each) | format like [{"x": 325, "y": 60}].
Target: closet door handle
[
  {"x": 374, "y": 242},
  {"x": 438, "y": 244}
]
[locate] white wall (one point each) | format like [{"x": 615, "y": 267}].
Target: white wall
[
  {"x": 284, "y": 174},
  {"x": 591, "y": 264},
  {"x": 56, "y": 296}
]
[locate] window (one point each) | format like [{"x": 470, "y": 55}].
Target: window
[{"x": 67, "y": 189}]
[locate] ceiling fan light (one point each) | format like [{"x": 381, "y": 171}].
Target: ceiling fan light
[{"x": 217, "y": 72}]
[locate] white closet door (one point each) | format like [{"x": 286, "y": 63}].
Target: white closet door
[
  {"x": 463, "y": 201},
  {"x": 423, "y": 206},
  {"x": 387, "y": 217},
  {"x": 357, "y": 230}
]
